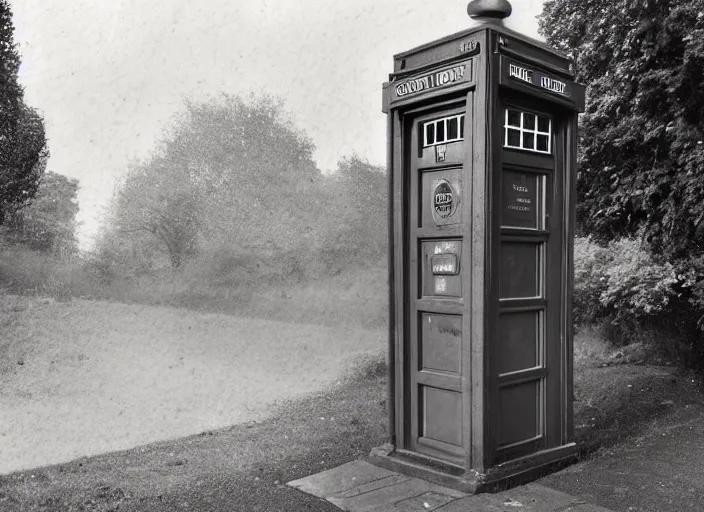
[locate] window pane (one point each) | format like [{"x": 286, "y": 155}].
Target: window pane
[
  {"x": 543, "y": 124},
  {"x": 529, "y": 121},
  {"x": 430, "y": 134},
  {"x": 462, "y": 126},
  {"x": 542, "y": 143},
  {"x": 514, "y": 118},
  {"x": 440, "y": 134},
  {"x": 514, "y": 138},
  {"x": 528, "y": 141},
  {"x": 452, "y": 128}
]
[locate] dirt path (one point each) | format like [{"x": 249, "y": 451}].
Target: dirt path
[{"x": 84, "y": 377}]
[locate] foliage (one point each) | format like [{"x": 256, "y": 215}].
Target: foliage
[
  {"x": 255, "y": 168},
  {"x": 230, "y": 174},
  {"x": 358, "y": 205},
  {"x": 636, "y": 285},
  {"x": 48, "y": 222},
  {"x": 590, "y": 264},
  {"x": 622, "y": 282},
  {"x": 233, "y": 201},
  {"x": 10, "y": 90},
  {"x": 630, "y": 296},
  {"x": 23, "y": 151},
  {"x": 158, "y": 200},
  {"x": 642, "y": 136},
  {"x": 30, "y": 272}
]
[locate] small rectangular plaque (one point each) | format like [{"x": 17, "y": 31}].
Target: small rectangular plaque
[
  {"x": 522, "y": 200},
  {"x": 444, "y": 264},
  {"x": 440, "y": 270}
]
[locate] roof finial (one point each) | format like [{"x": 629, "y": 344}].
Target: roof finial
[{"x": 489, "y": 10}]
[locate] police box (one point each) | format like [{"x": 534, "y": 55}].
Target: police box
[{"x": 482, "y": 142}]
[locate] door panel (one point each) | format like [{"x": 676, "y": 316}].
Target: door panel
[
  {"x": 527, "y": 336},
  {"x": 441, "y": 343},
  {"x": 518, "y": 346},
  {"x": 519, "y": 405},
  {"x": 435, "y": 277}
]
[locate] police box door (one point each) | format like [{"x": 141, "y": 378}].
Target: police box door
[
  {"x": 525, "y": 344},
  {"x": 436, "y": 409}
]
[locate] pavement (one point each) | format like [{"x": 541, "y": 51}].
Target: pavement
[{"x": 361, "y": 487}]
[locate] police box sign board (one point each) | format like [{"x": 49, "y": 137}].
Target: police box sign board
[
  {"x": 434, "y": 80},
  {"x": 520, "y": 73}
]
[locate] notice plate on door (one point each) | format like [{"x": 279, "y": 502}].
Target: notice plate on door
[{"x": 444, "y": 264}]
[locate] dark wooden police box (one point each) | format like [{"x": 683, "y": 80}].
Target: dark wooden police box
[{"x": 482, "y": 141}]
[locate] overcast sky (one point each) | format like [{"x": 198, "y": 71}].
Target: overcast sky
[{"x": 109, "y": 74}]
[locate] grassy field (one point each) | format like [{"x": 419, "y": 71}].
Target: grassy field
[{"x": 85, "y": 377}]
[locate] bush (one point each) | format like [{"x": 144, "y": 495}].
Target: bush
[
  {"x": 631, "y": 296},
  {"x": 622, "y": 282},
  {"x": 591, "y": 262},
  {"x": 636, "y": 285},
  {"x": 24, "y": 271}
]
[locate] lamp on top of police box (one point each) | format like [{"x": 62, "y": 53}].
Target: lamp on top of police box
[{"x": 489, "y": 10}]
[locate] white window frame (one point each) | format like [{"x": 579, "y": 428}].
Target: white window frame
[
  {"x": 535, "y": 132},
  {"x": 444, "y": 121}
]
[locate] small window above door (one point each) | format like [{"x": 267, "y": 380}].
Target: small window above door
[
  {"x": 442, "y": 131},
  {"x": 527, "y": 131}
]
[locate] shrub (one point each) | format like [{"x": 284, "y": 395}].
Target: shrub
[
  {"x": 24, "y": 271},
  {"x": 622, "y": 282},
  {"x": 636, "y": 285},
  {"x": 634, "y": 297},
  {"x": 591, "y": 262}
]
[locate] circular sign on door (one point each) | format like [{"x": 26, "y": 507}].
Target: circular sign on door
[{"x": 444, "y": 201}]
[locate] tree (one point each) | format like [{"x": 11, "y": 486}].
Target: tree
[
  {"x": 159, "y": 199},
  {"x": 230, "y": 174},
  {"x": 357, "y": 230},
  {"x": 48, "y": 222},
  {"x": 10, "y": 90},
  {"x": 642, "y": 136},
  {"x": 23, "y": 151},
  {"x": 255, "y": 168}
]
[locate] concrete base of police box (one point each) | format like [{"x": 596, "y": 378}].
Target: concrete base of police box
[{"x": 500, "y": 477}]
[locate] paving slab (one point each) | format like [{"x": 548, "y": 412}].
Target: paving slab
[
  {"x": 342, "y": 478},
  {"x": 401, "y": 494},
  {"x": 426, "y": 501},
  {"x": 513, "y": 500},
  {"x": 362, "y": 487}
]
